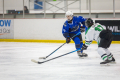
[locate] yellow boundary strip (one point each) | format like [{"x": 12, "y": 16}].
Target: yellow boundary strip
[{"x": 45, "y": 41}]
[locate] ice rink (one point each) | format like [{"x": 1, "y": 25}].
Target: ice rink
[{"x": 15, "y": 63}]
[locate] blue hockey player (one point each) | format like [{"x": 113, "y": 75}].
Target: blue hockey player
[{"x": 71, "y": 27}]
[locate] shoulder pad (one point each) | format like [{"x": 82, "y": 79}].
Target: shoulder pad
[
  {"x": 93, "y": 26},
  {"x": 75, "y": 16},
  {"x": 79, "y": 16}
]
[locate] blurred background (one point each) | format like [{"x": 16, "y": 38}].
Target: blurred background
[{"x": 57, "y": 8}]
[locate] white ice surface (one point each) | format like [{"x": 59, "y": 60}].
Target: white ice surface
[{"x": 15, "y": 63}]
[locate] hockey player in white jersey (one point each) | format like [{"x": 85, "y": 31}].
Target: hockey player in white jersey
[{"x": 103, "y": 37}]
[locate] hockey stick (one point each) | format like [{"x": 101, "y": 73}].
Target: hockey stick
[
  {"x": 57, "y": 48},
  {"x": 53, "y": 58}
]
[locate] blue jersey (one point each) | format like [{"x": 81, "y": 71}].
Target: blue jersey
[{"x": 73, "y": 27}]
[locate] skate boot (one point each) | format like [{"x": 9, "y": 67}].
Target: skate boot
[
  {"x": 113, "y": 59},
  {"x": 105, "y": 62},
  {"x": 84, "y": 55},
  {"x": 81, "y": 54}
]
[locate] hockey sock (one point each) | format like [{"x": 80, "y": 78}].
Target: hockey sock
[
  {"x": 109, "y": 54},
  {"x": 102, "y": 53}
]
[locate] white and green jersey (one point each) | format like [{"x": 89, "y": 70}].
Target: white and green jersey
[{"x": 92, "y": 33}]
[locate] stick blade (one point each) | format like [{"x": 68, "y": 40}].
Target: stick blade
[{"x": 34, "y": 61}]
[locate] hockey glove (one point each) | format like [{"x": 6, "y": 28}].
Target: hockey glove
[
  {"x": 84, "y": 47},
  {"x": 68, "y": 40},
  {"x": 82, "y": 29}
]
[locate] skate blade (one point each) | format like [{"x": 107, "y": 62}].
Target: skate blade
[
  {"x": 107, "y": 64},
  {"x": 42, "y": 57},
  {"x": 83, "y": 57},
  {"x": 113, "y": 62},
  {"x": 34, "y": 61}
]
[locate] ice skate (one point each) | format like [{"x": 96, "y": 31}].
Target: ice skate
[
  {"x": 81, "y": 55},
  {"x": 105, "y": 62}
]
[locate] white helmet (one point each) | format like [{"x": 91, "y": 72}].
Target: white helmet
[{"x": 69, "y": 13}]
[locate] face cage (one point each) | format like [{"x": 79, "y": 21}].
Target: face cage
[{"x": 71, "y": 16}]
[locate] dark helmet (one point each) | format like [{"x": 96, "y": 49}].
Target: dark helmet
[{"x": 89, "y": 22}]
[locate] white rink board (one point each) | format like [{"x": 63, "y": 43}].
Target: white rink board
[
  {"x": 41, "y": 29},
  {"x": 6, "y": 28}
]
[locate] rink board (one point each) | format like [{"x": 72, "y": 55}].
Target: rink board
[
  {"x": 46, "y": 41},
  {"x": 42, "y": 30}
]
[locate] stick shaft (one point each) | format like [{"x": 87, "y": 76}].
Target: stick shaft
[
  {"x": 55, "y": 50},
  {"x": 57, "y": 57}
]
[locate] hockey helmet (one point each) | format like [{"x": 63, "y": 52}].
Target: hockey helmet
[
  {"x": 69, "y": 13},
  {"x": 89, "y": 22}
]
